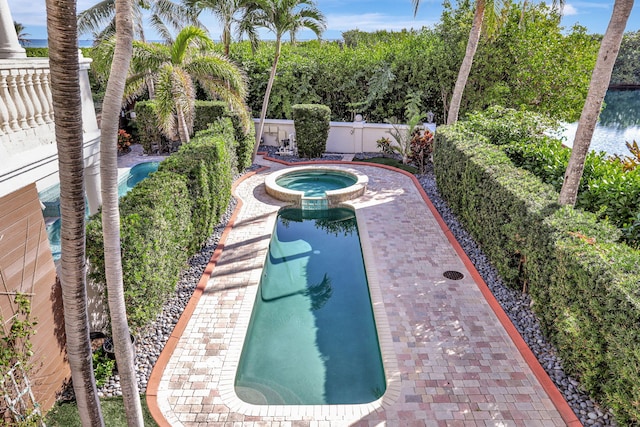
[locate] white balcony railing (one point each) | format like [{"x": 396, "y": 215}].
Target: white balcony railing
[{"x": 25, "y": 97}]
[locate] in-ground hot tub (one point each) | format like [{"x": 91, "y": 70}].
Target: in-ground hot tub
[{"x": 316, "y": 187}]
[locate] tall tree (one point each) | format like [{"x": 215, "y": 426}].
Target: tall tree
[
  {"x": 597, "y": 90},
  {"x": 228, "y": 12},
  {"x": 280, "y": 17},
  {"x": 67, "y": 107},
  {"x": 487, "y": 12},
  {"x": 164, "y": 16},
  {"x": 173, "y": 69},
  {"x": 111, "y": 106}
]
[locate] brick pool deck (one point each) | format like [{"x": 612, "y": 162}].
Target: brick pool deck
[{"x": 451, "y": 356}]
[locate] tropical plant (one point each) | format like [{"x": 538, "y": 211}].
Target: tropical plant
[
  {"x": 228, "y": 12},
  {"x": 631, "y": 162},
  {"x": 67, "y": 107},
  {"x": 22, "y": 34},
  {"x": 279, "y": 17},
  {"x": 403, "y": 134},
  {"x": 110, "y": 140},
  {"x": 600, "y": 79},
  {"x": 421, "y": 148},
  {"x": 165, "y": 16},
  {"x": 173, "y": 69}
]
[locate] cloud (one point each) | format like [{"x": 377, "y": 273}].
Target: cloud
[
  {"x": 373, "y": 22},
  {"x": 569, "y": 10}
]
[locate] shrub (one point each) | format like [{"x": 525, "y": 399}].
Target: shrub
[
  {"x": 167, "y": 217},
  {"x": 311, "y": 122},
  {"x": 208, "y": 112},
  {"x": 155, "y": 233},
  {"x": 609, "y": 187},
  {"x": 206, "y": 163},
  {"x": 506, "y": 125},
  {"x": 146, "y": 127},
  {"x": 421, "y": 148},
  {"x": 124, "y": 141},
  {"x": 584, "y": 285}
]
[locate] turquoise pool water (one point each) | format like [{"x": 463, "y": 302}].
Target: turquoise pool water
[
  {"x": 312, "y": 337},
  {"x": 136, "y": 174},
  {"x": 315, "y": 183}
]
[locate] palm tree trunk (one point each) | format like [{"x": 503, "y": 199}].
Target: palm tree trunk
[
  {"x": 265, "y": 102},
  {"x": 467, "y": 62},
  {"x": 183, "y": 129},
  {"x": 226, "y": 38},
  {"x": 597, "y": 90},
  {"x": 111, "y": 214},
  {"x": 67, "y": 107}
]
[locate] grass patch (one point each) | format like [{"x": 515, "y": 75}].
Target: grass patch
[
  {"x": 66, "y": 414},
  {"x": 389, "y": 162}
]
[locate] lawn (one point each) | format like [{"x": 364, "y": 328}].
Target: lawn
[
  {"x": 389, "y": 162},
  {"x": 66, "y": 414}
]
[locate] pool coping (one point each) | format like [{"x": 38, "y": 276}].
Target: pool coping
[{"x": 542, "y": 377}]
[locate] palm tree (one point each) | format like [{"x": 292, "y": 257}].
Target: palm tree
[
  {"x": 67, "y": 107},
  {"x": 173, "y": 69},
  {"x": 99, "y": 19},
  {"x": 111, "y": 106},
  {"x": 280, "y": 17},
  {"x": 22, "y": 35},
  {"x": 600, "y": 78},
  {"x": 227, "y": 12}
]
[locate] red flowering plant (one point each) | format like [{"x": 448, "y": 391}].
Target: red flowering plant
[
  {"x": 124, "y": 141},
  {"x": 421, "y": 148}
]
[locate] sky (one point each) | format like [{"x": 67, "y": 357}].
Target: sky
[{"x": 343, "y": 15}]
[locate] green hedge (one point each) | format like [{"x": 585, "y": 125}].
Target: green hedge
[
  {"x": 206, "y": 162},
  {"x": 207, "y": 112},
  {"x": 155, "y": 232},
  {"x": 311, "y": 122},
  {"x": 167, "y": 217},
  {"x": 584, "y": 285},
  {"x": 146, "y": 130}
]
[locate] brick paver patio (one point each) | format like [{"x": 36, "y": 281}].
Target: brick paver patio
[{"x": 448, "y": 359}]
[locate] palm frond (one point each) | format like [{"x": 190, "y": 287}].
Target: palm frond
[
  {"x": 189, "y": 36},
  {"x": 216, "y": 67},
  {"x": 93, "y": 19}
]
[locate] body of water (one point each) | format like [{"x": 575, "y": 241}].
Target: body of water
[
  {"x": 45, "y": 43},
  {"x": 619, "y": 123}
]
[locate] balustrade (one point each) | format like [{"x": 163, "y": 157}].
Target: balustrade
[{"x": 25, "y": 96}]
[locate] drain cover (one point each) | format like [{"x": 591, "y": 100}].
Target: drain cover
[{"x": 453, "y": 275}]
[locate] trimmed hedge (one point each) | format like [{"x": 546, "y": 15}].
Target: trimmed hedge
[
  {"x": 146, "y": 128},
  {"x": 585, "y": 286},
  {"x": 311, "y": 122},
  {"x": 207, "y": 112},
  {"x": 155, "y": 231},
  {"x": 167, "y": 217}
]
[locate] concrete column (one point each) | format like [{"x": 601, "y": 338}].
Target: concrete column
[
  {"x": 9, "y": 45},
  {"x": 92, "y": 187},
  {"x": 357, "y": 132}
]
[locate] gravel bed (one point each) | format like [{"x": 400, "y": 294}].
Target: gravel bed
[{"x": 516, "y": 304}]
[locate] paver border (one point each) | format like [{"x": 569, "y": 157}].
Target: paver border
[{"x": 541, "y": 375}]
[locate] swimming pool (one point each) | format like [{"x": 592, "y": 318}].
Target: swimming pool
[
  {"x": 312, "y": 337},
  {"x": 316, "y": 187},
  {"x": 315, "y": 183},
  {"x": 132, "y": 177}
]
